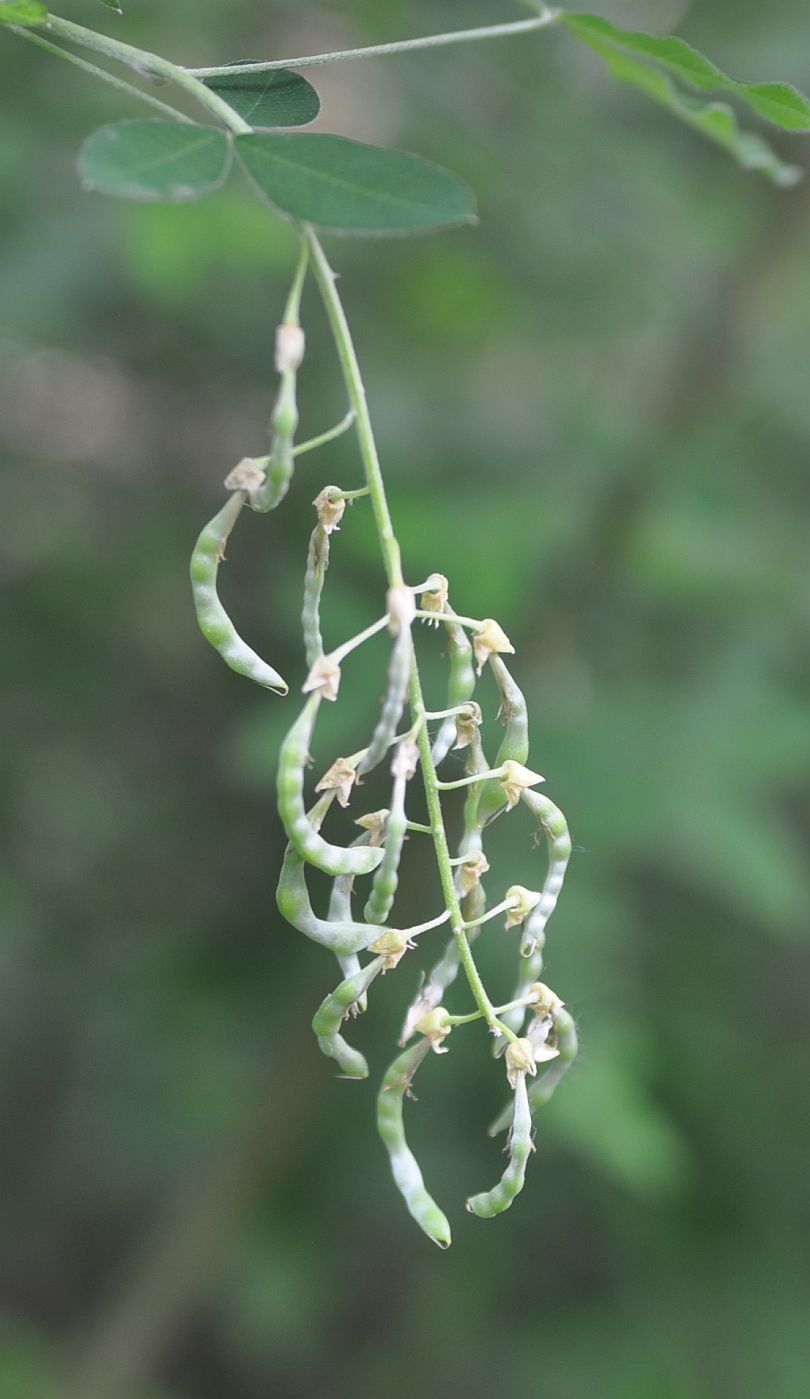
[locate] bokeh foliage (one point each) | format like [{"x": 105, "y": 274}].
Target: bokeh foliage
[{"x": 594, "y": 417}]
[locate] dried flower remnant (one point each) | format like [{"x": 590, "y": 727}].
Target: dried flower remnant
[
  {"x": 490, "y": 640},
  {"x": 521, "y": 902},
  {"x": 324, "y": 676},
  {"x": 434, "y": 597},
  {"x": 340, "y": 778},
  {"x": 435, "y": 1026},
  {"x": 331, "y": 507},
  {"x": 471, "y": 871}
]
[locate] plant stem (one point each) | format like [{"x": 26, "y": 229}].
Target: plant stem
[
  {"x": 472, "y": 623},
  {"x": 149, "y": 64},
  {"x": 432, "y": 41},
  {"x": 292, "y": 311},
  {"x": 350, "y": 495},
  {"x": 162, "y": 107},
  {"x": 503, "y": 907},
  {"x": 341, "y": 652},
  {"x": 499, "y": 1010},
  {"x": 355, "y": 388},
  {"x": 324, "y": 437},
  {"x": 470, "y": 781}
]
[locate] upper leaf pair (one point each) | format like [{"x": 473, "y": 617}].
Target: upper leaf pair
[
  {"x": 667, "y": 59},
  {"x": 324, "y": 180}
]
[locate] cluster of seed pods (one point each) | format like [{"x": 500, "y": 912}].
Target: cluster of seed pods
[{"x": 534, "y": 1029}]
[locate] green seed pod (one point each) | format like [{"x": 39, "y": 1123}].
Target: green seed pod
[
  {"x": 386, "y": 877},
  {"x": 292, "y": 898},
  {"x": 399, "y": 674},
  {"x": 543, "y": 1088},
  {"x": 533, "y": 938},
  {"x": 317, "y": 564},
  {"x": 473, "y": 905},
  {"x": 431, "y": 992},
  {"x": 559, "y": 853},
  {"x": 332, "y": 859},
  {"x": 515, "y": 744},
  {"x": 565, "y": 1039},
  {"x": 340, "y": 911},
  {"x": 284, "y": 421},
  {"x": 495, "y": 1201},
  {"x": 333, "y": 1011},
  {"x": 460, "y": 688},
  {"x": 214, "y": 622},
  {"x": 406, "y": 1173}
]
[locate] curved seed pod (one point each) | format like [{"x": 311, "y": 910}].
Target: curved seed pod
[
  {"x": 406, "y": 1172},
  {"x": 460, "y": 688},
  {"x": 214, "y": 622},
  {"x": 332, "y": 859},
  {"x": 495, "y": 1201},
  {"x": 473, "y": 905},
  {"x": 468, "y": 875},
  {"x": 431, "y": 992},
  {"x": 515, "y": 743},
  {"x": 340, "y": 911},
  {"x": 386, "y": 877},
  {"x": 333, "y": 1011},
  {"x": 284, "y": 421},
  {"x": 533, "y": 939},
  {"x": 317, "y": 564},
  {"x": 280, "y": 467},
  {"x": 565, "y": 1039},
  {"x": 399, "y": 674},
  {"x": 529, "y": 973},
  {"x": 292, "y": 898},
  {"x": 543, "y": 1088},
  {"x": 559, "y": 853}
]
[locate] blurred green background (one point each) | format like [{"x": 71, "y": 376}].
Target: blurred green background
[{"x": 594, "y": 416}]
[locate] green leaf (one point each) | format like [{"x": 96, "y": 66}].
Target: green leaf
[
  {"x": 714, "y": 119},
  {"x": 779, "y": 103},
  {"x": 352, "y": 188},
  {"x": 277, "y": 98},
  {"x": 113, "y": 5},
  {"x": 22, "y": 12},
  {"x": 155, "y": 160}
]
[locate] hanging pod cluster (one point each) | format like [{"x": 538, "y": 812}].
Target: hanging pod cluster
[
  {"x": 533, "y": 1030},
  {"x": 327, "y": 182}
]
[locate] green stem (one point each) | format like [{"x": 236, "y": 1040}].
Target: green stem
[
  {"x": 546, "y": 17},
  {"x": 472, "y": 622},
  {"x": 350, "y": 495},
  {"x": 292, "y": 311},
  {"x": 341, "y": 652},
  {"x": 105, "y": 77},
  {"x": 476, "y": 1014},
  {"x": 470, "y": 781},
  {"x": 150, "y": 64},
  {"x": 355, "y": 388},
  {"x": 324, "y": 437}
]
